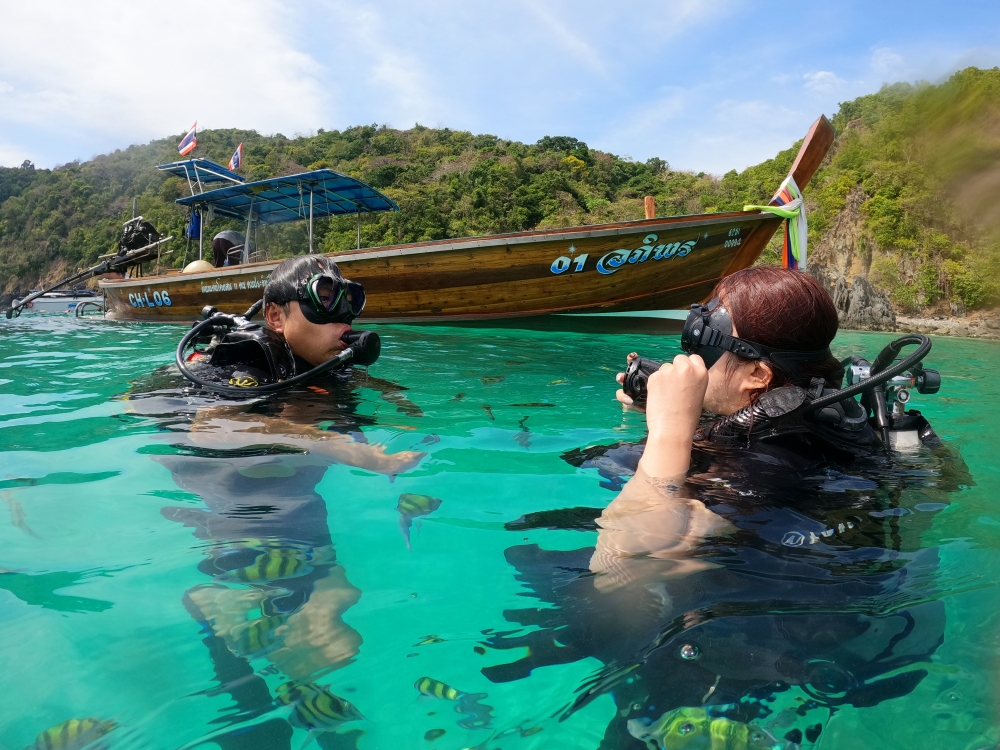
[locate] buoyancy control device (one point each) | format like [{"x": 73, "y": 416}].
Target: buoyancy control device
[{"x": 259, "y": 354}]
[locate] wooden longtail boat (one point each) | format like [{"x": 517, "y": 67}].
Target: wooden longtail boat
[{"x": 651, "y": 264}]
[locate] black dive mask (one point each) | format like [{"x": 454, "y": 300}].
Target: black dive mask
[
  {"x": 331, "y": 299},
  {"x": 708, "y": 332}
]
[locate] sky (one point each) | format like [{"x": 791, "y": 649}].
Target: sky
[{"x": 708, "y": 85}]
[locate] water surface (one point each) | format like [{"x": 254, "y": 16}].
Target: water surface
[{"x": 121, "y": 595}]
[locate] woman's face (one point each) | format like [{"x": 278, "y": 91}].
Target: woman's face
[{"x": 731, "y": 380}]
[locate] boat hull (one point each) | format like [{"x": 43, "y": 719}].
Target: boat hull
[
  {"x": 55, "y": 304},
  {"x": 641, "y": 265}
]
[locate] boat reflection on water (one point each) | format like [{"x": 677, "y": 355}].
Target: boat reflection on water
[
  {"x": 810, "y": 591},
  {"x": 274, "y": 589}
]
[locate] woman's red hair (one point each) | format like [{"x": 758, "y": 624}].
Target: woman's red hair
[{"x": 784, "y": 309}]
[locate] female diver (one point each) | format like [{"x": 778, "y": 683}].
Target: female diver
[{"x": 764, "y": 566}]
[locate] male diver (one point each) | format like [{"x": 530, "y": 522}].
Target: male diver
[{"x": 271, "y": 602}]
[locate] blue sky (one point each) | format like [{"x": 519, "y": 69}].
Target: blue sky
[{"x": 708, "y": 85}]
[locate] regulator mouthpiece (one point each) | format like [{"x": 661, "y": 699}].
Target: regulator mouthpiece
[{"x": 366, "y": 346}]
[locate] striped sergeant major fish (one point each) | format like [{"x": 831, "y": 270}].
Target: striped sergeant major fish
[
  {"x": 315, "y": 708},
  {"x": 273, "y": 565},
  {"x": 436, "y": 689},
  {"x": 72, "y": 734},
  {"x": 256, "y": 637},
  {"x": 479, "y": 714},
  {"x": 412, "y": 506}
]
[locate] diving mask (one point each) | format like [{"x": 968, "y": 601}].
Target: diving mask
[
  {"x": 330, "y": 299},
  {"x": 708, "y": 332}
]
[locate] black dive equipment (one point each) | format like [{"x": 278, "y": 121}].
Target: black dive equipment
[
  {"x": 708, "y": 332},
  {"x": 883, "y": 386},
  {"x": 138, "y": 243},
  {"x": 325, "y": 298},
  {"x": 240, "y": 342}
]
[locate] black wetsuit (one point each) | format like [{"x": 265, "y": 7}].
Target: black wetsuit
[{"x": 823, "y": 586}]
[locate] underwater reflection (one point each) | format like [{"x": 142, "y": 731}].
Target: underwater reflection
[
  {"x": 274, "y": 589},
  {"x": 753, "y": 602}
]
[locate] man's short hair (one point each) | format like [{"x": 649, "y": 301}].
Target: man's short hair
[{"x": 291, "y": 275}]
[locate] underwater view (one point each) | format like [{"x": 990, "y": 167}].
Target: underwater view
[{"x": 410, "y": 557}]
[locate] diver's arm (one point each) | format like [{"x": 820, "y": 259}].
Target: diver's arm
[
  {"x": 647, "y": 533},
  {"x": 675, "y": 394},
  {"x": 231, "y": 426}
]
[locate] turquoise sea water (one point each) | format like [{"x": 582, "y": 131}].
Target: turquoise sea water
[{"x": 122, "y": 536}]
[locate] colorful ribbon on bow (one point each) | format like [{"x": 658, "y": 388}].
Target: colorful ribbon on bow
[{"x": 787, "y": 203}]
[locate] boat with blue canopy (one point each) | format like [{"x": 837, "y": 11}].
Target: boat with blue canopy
[{"x": 653, "y": 264}]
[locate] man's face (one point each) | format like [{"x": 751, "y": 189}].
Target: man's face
[{"x": 315, "y": 343}]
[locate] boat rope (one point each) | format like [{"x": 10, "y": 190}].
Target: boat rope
[{"x": 787, "y": 203}]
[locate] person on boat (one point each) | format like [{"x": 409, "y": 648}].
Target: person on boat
[
  {"x": 227, "y": 247},
  {"x": 753, "y": 568}
]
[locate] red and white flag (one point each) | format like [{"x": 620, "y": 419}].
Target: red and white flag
[
  {"x": 236, "y": 160},
  {"x": 189, "y": 141}
]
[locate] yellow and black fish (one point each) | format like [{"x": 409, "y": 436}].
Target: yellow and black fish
[
  {"x": 256, "y": 637},
  {"x": 315, "y": 708},
  {"x": 72, "y": 734},
  {"x": 696, "y": 728},
  {"x": 478, "y": 715},
  {"x": 436, "y": 689},
  {"x": 273, "y": 565},
  {"x": 412, "y": 506},
  {"x": 429, "y": 640}
]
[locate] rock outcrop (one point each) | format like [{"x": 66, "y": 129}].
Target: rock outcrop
[
  {"x": 861, "y": 306},
  {"x": 841, "y": 261},
  {"x": 841, "y": 253}
]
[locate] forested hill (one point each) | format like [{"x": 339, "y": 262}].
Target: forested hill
[{"x": 904, "y": 198}]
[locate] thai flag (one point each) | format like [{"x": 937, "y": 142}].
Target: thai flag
[
  {"x": 236, "y": 161},
  {"x": 189, "y": 141}
]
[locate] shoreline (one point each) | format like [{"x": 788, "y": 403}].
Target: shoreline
[{"x": 979, "y": 325}]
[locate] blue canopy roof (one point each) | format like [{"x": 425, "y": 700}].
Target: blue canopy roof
[
  {"x": 282, "y": 199},
  {"x": 200, "y": 172}
]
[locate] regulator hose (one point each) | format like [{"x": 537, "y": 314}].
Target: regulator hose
[
  {"x": 880, "y": 371},
  {"x": 364, "y": 348}
]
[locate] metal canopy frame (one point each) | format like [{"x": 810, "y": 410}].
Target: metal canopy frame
[
  {"x": 319, "y": 193},
  {"x": 200, "y": 172},
  {"x": 299, "y": 197}
]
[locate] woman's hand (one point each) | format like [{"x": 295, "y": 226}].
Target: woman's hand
[
  {"x": 624, "y": 398},
  {"x": 675, "y": 395}
]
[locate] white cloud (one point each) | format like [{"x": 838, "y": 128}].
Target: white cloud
[
  {"x": 823, "y": 82},
  {"x": 13, "y": 154},
  {"x": 137, "y": 71},
  {"x": 887, "y": 63}
]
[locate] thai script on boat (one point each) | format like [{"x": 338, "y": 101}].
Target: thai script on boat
[
  {"x": 142, "y": 299},
  {"x": 609, "y": 263},
  {"x": 256, "y": 282},
  {"x": 216, "y": 287}
]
